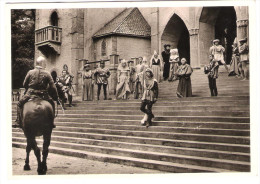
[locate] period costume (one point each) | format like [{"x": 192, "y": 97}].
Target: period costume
[
  {"x": 218, "y": 52},
  {"x": 88, "y": 83},
  {"x": 212, "y": 71},
  {"x": 166, "y": 59},
  {"x": 234, "y": 70},
  {"x": 156, "y": 66},
  {"x": 38, "y": 84},
  {"x": 123, "y": 78},
  {"x": 138, "y": 80},
  {"x": 184, "y": 87},
  {"x": 244, "y": 58},
  {"x": 174, "y": 60},
  {"x": 132, "y": 76},
  {"x": 65, "y": 81},
  {"x": 101, "y": 77},
  {"x": 150, "y": 96}
]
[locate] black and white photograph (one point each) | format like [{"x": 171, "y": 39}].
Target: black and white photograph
[{"x": 131, "y": 89}]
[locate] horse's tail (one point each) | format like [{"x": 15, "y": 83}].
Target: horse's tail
[{"x": 38, "y": 116}]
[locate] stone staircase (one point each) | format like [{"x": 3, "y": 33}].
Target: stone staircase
[{"x": 197, "y": 134}]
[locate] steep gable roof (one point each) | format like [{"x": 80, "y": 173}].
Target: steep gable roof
[{"x": 129, "y": 22}]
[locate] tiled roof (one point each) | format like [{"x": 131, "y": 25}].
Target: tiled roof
[{"x": 129, "y": 22}]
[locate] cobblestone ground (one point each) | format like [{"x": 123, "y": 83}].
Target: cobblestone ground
[{"x": 59, "y": 164}]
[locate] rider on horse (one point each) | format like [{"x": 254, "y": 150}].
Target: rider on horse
[{"x": 38, "y": 83}]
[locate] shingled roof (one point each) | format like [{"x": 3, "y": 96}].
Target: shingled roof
[{"x": 129, "y": 22}]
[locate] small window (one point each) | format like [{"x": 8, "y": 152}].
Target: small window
[
  {"x": 54, "y": 19},
  {"x": 104, "y": 48}
]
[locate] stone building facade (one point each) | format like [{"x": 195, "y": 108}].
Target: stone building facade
[{"x": 66, "y": 36}]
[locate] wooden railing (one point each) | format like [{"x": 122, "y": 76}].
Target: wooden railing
[{"x": 49, "y": 33}]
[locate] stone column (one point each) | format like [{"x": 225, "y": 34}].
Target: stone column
[
  {"x": 242, "y": 29},
  {"x": 114, "y": 59},
  {"x": 155, "y": 30},
  {"x": 194, "y": 48}
]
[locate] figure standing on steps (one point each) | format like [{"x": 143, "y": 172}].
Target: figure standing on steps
[
  {"x": 101, "y": 78},
  {"x": 183, "y": 73},
  {"x": 244, "y": 58},
  {"x": 88, "y": 83},
  {"x": 166, "y": 59},
  {"x": 37, "y": 83},
  {"x": 174, "y": 60},
  {"x": 123, "y": 78},
  {"x": 150, "y": 96},
  {"x": 155, "y": 65},
  {"x": 217, "y": 51},
  {"x": 212, "y": 71},
  {"x": 138, "y": 78},
  {"x": 65, "y": 80}
]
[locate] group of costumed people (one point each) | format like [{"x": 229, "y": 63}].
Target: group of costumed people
[
  {"x": 99, "y": 77},
  {"x": 238, "y": 64}
]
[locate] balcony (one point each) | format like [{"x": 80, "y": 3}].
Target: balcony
[{"x": 48, "y": 40}]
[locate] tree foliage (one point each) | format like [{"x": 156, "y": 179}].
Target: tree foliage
[{"x": 22, "y": 43}]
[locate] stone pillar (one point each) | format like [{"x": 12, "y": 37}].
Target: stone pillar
[
  {"x": 114, "y": 60},
  {"x": 155, "y": 30},
  {"x": 194, "y": 48},
  {"x": 242, "y": 29}
]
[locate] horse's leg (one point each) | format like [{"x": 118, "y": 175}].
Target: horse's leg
[
  {"x": 45, "y": 150},
  {"x": 28, "y": 150},
  {"x": 37, "y": 153}
]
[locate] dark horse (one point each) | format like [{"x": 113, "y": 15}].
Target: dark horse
[{"x": 37, "y": 120}]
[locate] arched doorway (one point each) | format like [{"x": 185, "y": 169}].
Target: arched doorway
[
  {"x": 217, "y": 23},
  {"x": 54, "y": 19},
  {"x": 177, "y": 35}
]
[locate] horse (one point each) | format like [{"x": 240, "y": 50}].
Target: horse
[{"x": 37, "y": 120}]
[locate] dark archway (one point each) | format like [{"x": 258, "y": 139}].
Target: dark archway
[
  {"x": 177, "y": 35},
  {"x": 218, "y": 23},
  {"x": 54, "y": 19}
]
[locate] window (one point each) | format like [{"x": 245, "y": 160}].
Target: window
[{"x": 103, "y": 48}]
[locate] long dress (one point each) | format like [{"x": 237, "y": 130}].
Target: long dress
[
  {"x": 234, "y": 62},
  {"x": 87, "y": 85},
  {"x": 184, "y": 87},
  {"x": 156, "y": 68},
  {"x": 166, "y": 68},
  {"x": 122, "y": 88}
]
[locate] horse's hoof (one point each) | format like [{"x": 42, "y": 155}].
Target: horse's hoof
[{"x": 27, "y": 167}]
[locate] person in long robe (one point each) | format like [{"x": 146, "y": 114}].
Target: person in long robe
[
  {"x": 155, "y": 65},
  {"x": 139, "y": 78},
  {"x": 88, "y": 83},
  {"x": 145, "y": 66},
  {"x": 150, "y": 96},
  {"x": 183, "y": 73},
  {"x": 174, "y": 60},
  {"x": 166, "y": 59},
  {"x": 123, "y": 74},
  {"x": 234, "y": 70}
]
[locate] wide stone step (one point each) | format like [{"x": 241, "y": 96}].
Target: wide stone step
[
  {"x": 197, "y": 130},
  {"x": 165, "y": 135},
  {"x": 137, "y": 162},
  {"x": 71, "y": 117},
  {"x": 154, "y": 141},
  {"x": 193, "y": 112},
  {"x": 146, "y": 147},
  {"x": 171, "y": 158},
  {"x": 157, "y": 124}
]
